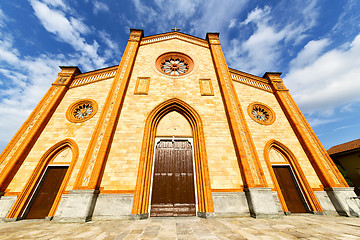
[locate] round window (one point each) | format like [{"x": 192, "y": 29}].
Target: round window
[
  {"x": 174, "y": 64},
  {"x": 81, "y": 110},
  {"x": 261, "y": 113}
]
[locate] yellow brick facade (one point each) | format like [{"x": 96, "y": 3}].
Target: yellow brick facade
[
  {"x": 111, "y": 152},
  {"x": 280, "y": 130},
  {"x": 121, "y": 168},
  {"x": 59, "y": 128}
]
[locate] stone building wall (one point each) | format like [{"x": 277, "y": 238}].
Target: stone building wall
[
  {"x": 280, "y": 130},
  {"x": 121, "y": 168},
  {"x": 59, "y": 128}
]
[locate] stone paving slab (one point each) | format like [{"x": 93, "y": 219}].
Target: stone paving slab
[{"x": 296, "y": 226}]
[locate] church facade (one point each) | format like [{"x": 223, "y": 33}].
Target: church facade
[{"x": 170, "y": 131}]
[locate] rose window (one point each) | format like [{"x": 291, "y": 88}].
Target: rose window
[
  {"x": 81, "y": 110},
  {"x": 261, "y": 113},
  {"x": 174, "y": 64}
]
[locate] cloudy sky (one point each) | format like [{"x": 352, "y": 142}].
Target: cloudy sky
[{"x": 316, "y": 44}]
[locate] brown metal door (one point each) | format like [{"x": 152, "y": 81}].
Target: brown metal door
[
  {"x": 45, "y": 194},
  {"x": 289, "y": 189},
  {"x": 173, "y": 192}
]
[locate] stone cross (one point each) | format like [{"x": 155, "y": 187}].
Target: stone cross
[{"x": 176, "y": 29}]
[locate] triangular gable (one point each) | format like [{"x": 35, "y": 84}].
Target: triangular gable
[{"x": 174, "y": 35}]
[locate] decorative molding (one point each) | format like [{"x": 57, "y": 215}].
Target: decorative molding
[
  {"x": 169, "y": 36},
  {"x": 142, "y": 86},
  {"x": 251, "y": 82},
  {"x": 310, "y": 137},
  {"x": 249, "y": 161},
  {"x": 102, "y": 191},
  {"x": 96, "y": 154},
  {"x": 108, "y": 113},
  {"x": 84, "y": 79},
  {"x": 228, "y": 189},
  {"x": 206, "y": 88}
]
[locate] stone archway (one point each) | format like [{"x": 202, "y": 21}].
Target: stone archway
[
  {"x": 21, "y": 204},
  {"x": 143, "y": 184},
  {"x": 295, "y": 169}
]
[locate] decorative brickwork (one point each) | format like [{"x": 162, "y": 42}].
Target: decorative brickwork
[
  {"x": 88, "y": 78},
  {"x": 174, "y": 35}
]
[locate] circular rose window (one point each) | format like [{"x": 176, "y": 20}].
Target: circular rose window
[
  {"x": 174, "y": 64},
  {"x": 261, "y": 113},
  {"x": 81, "y": 110}
]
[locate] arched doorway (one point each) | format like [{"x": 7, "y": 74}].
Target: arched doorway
[
  {"x": 142, "y": 198},
  {"x": 293, "y": 190},
  {"x": 173, "y": 188},
  {"x": 42, "y": 193}
]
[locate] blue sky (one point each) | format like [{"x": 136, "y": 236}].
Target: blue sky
[{"x": 316, "y": 44}]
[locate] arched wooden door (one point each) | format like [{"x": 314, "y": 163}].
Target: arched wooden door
[
  {"x": 173, "y": 191},
  {"x": 46, "y": 192},
  {"x": 290, "y": 189}
]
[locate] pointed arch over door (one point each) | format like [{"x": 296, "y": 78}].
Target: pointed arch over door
[
  {"x": 21, "y": 206},
  {"x": 292, "y": 168},
  {"x": 142, "y": 191}
]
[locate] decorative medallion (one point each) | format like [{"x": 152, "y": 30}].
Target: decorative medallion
[
  {"x": 81, "y": 110},
  {"x": 261, "y": 113},
  {"x": 174, "y": 64}
]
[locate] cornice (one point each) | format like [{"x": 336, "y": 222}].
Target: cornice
[
  {"x": 250, "y": 80},
  {"x": 174, "y": 35},
  {"x": 94, "y": 76}
]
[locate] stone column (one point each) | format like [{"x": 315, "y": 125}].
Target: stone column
[
  {"x": 260, "y": 199},
  {"x": 93, "y": 165},
  {"x": 334, "y": 183}
]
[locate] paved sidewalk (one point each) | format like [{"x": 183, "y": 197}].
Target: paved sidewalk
[{"x": 304, "y": 226}]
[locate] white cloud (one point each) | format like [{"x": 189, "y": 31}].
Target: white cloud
[
  {"x": 10, "y": 57},
  {"x": 258, "y": 16},
  {"x": 321, "y": 121},
  {"x": 69, "y": 31},
  {"x": 264, "y": 48},
  {"x": 261, "y": 50},
  {"x": 214, "y": 16},
  {"x": 112, "y": 47},
  {"x": 329, "y": 81},
  {"x": 24, "y": 79},
  {"x": 349, "y": 19},
  {"x": 309, "y": 53},
  {"x": 57, "y": 3},
  {"x": 3, "y": 18},
  {"x": 192, "y": 16},
  {"x": 99, "y": 6}
]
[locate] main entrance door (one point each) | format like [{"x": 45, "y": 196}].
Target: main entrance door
[
  {"x": 46, "y": 192},
  {"x": 173, "y": 192},
  {"x": 289, "y": 189}
]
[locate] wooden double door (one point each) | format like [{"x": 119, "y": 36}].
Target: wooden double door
[
  {"x": 290, "y": 189},
  {"x": 46, "y": 192},
  {"x": 173, "y": 191}
]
